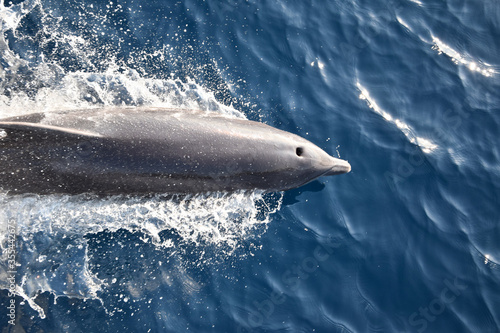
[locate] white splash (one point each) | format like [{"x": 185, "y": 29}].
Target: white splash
[
  {"x": 218, "y": 219},
  {"x": 426, "y": 145},
  {"x": 53, "y": 230}
]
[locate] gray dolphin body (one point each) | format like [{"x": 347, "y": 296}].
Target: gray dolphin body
[{"x": 147, "y": 150}]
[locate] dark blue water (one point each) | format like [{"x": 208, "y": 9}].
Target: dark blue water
[{"x": 407, "y": 91}]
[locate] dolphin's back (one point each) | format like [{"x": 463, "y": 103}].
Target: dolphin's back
[{"x": 144, "y": 150}]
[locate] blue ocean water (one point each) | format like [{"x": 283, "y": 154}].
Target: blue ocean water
[{"x": 406, "y": 90}]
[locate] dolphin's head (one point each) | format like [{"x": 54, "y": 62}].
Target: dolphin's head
[
  {"x": 312, "y": 162},
  {"x": 298, "y": 161},
  {"x": 316, "y": 161}
]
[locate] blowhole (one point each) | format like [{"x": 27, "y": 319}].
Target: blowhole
[{"x": 299, "y": 151}]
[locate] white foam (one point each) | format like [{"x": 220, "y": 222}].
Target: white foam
[{"x": 53, "y": 230}]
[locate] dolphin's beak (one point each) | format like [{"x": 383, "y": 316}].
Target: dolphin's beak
[{"x": 339, "y": 167}]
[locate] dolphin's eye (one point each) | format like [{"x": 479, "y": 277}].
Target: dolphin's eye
[{"x": 299, "y": 151}]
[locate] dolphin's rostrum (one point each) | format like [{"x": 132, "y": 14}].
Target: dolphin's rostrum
[{"x": 153, "y": 150}]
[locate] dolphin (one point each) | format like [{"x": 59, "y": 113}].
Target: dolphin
[{"x": 153, "y": 150}]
